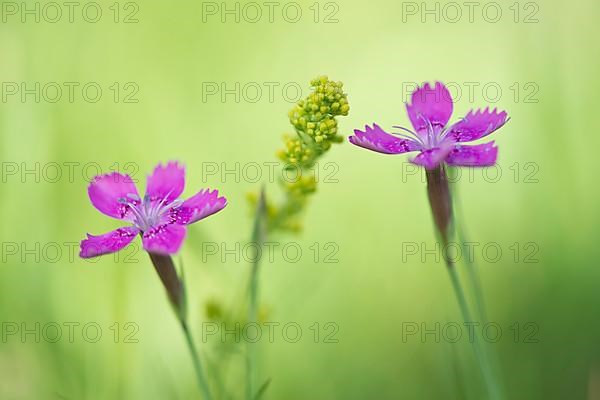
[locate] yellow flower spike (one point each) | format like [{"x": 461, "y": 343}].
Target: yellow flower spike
[{"x": 314, "y": 119}]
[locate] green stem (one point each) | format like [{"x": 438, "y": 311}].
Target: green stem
[
  {"x": 474, "y": 279},
  {"x": 472, "y": 273},
  {"x": 175, "y": 287},
  {"x": 480, "y": 353},
  {"x": 196, "y": 360},
  {"x": 441, "y": 207},
  {"x": 252, "y": 317},
  {"x": 258, "y": 237}
]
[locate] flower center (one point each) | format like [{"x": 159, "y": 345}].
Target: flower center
[
  {"x": 148, "y": 213},
  {"x": 433, "y": 137}
]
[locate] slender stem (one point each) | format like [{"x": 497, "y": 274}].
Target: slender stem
[
  {"x": 474, "y": 279},
  {"x": 472, "y": 272},
  {"x": 480, "y": 353},
  {"x": 258, "y": 238},
  {"x": 438, "y": 192},
  {"x": 196, "y": 360},
  {"x": 441, "y": 206},
  {"x": 472, "y": 269},
  {"x": 250, "y": 347},
  {"x": 175, "y": 288},
  {"x": 165, "y": 268}
]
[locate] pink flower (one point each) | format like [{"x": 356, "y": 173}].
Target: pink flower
[
  {"x": 160, "y": 217},
  {"x": 429, "y": 112}
]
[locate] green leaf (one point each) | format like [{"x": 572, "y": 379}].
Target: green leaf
[{"x": 262, "y": 389}]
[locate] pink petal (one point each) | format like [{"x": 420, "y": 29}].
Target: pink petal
[
  {"x": 430, "y": 106},
  {"x": 481, "y": 155},
  {"x": 431, "y": 158},
  {"x": 377, "y": 139},
  {"x": 166, "y": 182},
  {"x": 164, "y": 239},
  {"x": 106, "y": 193},
  {"x": 107, "y": 243},
  {"x": 476, "y": 124},
  {"x": 197, "y": 207}
]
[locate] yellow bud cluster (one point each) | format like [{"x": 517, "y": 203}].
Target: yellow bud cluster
[
  {"x": 302, "y": 186},
  {"x": 315, "y": 123},
  {"x": 314, "y": 120},
  {"x": 296, "y": 151}
]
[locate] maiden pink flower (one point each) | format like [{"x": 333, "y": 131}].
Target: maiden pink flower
[
  {"x": 160, "y": 217},
  {"x": 429, "y": 112}
]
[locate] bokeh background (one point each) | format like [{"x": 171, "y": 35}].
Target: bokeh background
[{"x": 545, "y": 61}]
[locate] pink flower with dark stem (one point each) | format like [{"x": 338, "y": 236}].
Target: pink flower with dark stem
[
  {"x": 159, "y": 217},
  {"x": 440, "y": 144},
  {"x": 429, "y": 111}
]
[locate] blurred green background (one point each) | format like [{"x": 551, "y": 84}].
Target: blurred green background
[{"x": 546, "y": 71}]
